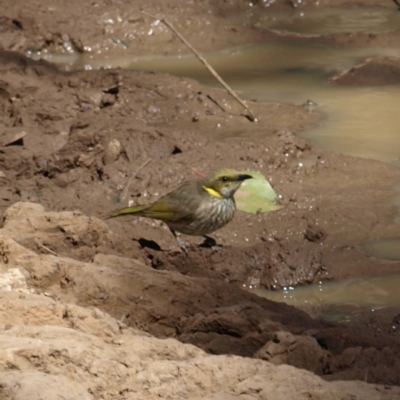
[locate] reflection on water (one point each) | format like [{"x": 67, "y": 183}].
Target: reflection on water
[
  {"x": 333, "y": 20},
  {"x": 361, "y": 121},
  {"x": 387, "y": 249},
  {"x": 319, "y": 300}
]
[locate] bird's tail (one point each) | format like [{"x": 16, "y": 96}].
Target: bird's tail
[{"x": 125, "y": 211}]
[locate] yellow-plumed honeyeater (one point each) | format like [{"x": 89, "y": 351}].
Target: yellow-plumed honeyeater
[{"x": 195, "y": 208}]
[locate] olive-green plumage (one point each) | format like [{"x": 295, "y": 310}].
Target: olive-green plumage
[{"x": 197, "y": 207}]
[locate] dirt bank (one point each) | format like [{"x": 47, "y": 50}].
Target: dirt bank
[{"x": 69, "y": 144}]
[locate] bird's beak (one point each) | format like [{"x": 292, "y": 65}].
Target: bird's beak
[{"x": 243, "y": 177}]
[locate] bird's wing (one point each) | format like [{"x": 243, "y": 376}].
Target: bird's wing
[{"x": 175, "y": 206}]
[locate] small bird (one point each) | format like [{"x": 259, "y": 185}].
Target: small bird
[{"x": 196, "y": 208}]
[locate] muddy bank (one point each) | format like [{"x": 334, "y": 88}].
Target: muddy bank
[
  {"x": 212, "y": 314},
  {"x": 65, "y": 163},
  {"x": 95, "y": 129},
  {"x": 69, "y": 144},
  {"x": 66, "y": 351},
  {"x": 374, "y": 71}
]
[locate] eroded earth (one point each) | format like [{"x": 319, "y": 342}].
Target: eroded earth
[{"x": 85, "y": 302}]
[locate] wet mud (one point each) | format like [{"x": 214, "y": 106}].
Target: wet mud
[{"x": 71, "y": 141}]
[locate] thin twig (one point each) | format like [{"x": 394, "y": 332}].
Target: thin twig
[
  {"x": 201, "y": 175},
  {"x": 204, "y": 61},
  {"x": 134, "y": 175},
  {"x": 47, "y": 249},
  {"x": 123, "y": 318}
]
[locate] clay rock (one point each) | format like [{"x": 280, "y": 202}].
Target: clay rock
[
  {"x": 112, "y": 151},
  {"x": 53, "y": 357},
  {"x": 34, "y": 385},
  {"x": 299, "y": 351},
  {"x": 67, "y": 232},
  {"x": 52, "y": 349}
]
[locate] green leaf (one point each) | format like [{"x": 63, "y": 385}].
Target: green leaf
[{"x": 256, "y": 195}]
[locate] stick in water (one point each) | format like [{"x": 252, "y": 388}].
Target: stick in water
[{"x": 250, "y": 115}]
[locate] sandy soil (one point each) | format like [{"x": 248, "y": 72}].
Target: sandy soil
[{"x": 85, "y": 303}]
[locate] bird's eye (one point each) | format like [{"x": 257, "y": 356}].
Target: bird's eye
[{"x": 224, "y": 179}]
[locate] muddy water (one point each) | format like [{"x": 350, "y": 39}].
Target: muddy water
[
  {"x": 361, "y": 121},
  {"x": 388, "y": 249},
  {"x": 336, "y": 301},
  {"x": 328, "y": 20}
]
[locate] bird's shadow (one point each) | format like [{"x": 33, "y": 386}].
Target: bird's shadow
[
  {"x": 149, "y": 244},
  {"x": 210, "y": 243}
]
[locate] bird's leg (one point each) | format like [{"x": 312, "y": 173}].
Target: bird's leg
[
  {"x": 182, "y": 244},
  {"x": 209, "y": 241}
]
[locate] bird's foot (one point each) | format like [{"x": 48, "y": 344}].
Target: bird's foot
[
  {"x": 216, "y": 248},
  {"x": 182, "y": 244}
]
